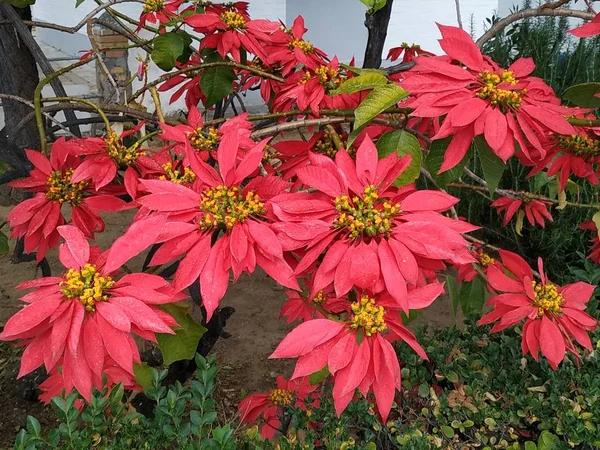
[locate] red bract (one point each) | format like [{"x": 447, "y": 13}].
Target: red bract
[
  {"x": 230, "y": 31},
  {"x": 290, "y": 50},
  {"x": 554, "y": 315},
  {"x": 408, "y": 52},
  {"x": 588, "y": 29},
  {"x": 310, "y": 89},
  {"x": 505, "y": 105},
  {"x": 373, "y": 236},
  {"x": 355, "y": 350},
  {"x": 37, "y": 218},
  {"x": 272, "y": 406},
  {"x": 595, "y": 249},
  {"x": 248, "y": 80},
  {"x": 223, "y": 204},
  {"x": 105, "y": 156},
  {"x": 158, "y": 11},
  {"x": 466, "y": 272},
  {"x": 191, "y": 84},
  {"x": 88, "y": 314},
  {"x": 303, "y": 307},
  {"x": 535, "y": 210}
]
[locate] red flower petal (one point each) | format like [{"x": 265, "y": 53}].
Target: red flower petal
[
  {"x": 305, "y": 337},
  {"x": 552, "y": 342}
]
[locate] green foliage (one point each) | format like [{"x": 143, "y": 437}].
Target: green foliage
[
  {"x": 435, "y": 158},
  {"x": 584, "y": 95},
  {"x": 403, "y": 143},
  {"x": 182, "y": 344},
  {"x": 171, "y": 47},
  {"x": 216, "y": 82},
  {"x": 366, "y": 80},
  {"x": 184, "y": 418},
  {"x": 3, "y": 243},
  {"x": 19, "y": 3},
  {"x": 374, "y": 5}
]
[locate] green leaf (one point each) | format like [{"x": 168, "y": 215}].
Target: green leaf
[
  {"x": 472, "y": 297},
  {"x": 33, "y": 426},
  {"x": 547, "y": 441},
  {"x": 78, "y": 2},
  {"x": 374, "y": 5},
  {"x": 448, "y": 431},
  {"x": 19, "y": 3},
  {"x": 187, "y": 50},
  {"x": 182, "y": 344},
  {"x": 317, "y": 377},
  {"x": 493, "y": 167},
  {"x": 595, "y": 219},
  {"x": 413, "y": 315},
  {"x": 584, "y": 95},
  {"x": 452, "y": 377},
  {"x": 530, "y": 445},
  {"x": 367, "y": 80},
  {"x": 403, "y": 143},
  {"x": 360, "y": 70},
  {"x": 167, "y": 48},
  {"x": 423, "y": 390},
  {"x": 143, "y": 375},
  {"x": 3, "y": 243},
  {"x": 454, "y": 297},
  {"x": 216, "y": 82},
  {"x": 378, "y": 100},
  {"x": 435, "y": 158}
]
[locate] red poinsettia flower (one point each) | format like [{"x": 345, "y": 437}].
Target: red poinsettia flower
[
  {"x": 357, "y": 350},
  {"x": 309, "y": 89},
  {"x": 222, "y": 204},
  {"x": 466, "y": 272},
  {"x": 250, "y": 80},
  {"x": 577, "y": 154},
  {"x": 554, "y": 315},
  {"x": 271, "y": 407},
  {"x": 595, "y": 249},
  {"x": 36, "y": 219},
  {"x": 505, "y": 105},
  {"x": 220, "y": 8},
  {"x": 373, "y": 236},
  {"x": 589, "y": 29},
  {"x": 232, "y": 30},
  {"x": 190, "y": 84},
  {"x": 408, "y": 52},
  {"x": 291, "y": 49},
  {"x": 535, "y": 210},
  {"x": 105, "y": 156},
  {"x": 89, "y": 313},
  {"x": 158, "y": 11}
]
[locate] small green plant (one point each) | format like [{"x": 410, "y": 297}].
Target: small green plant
[{"x": 184, "y": 419}]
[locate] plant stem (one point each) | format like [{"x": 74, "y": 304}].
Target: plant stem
[{"x": 85, "y": 102}]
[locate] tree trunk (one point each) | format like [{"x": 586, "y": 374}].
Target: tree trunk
[{"x": 377, "y": 24}]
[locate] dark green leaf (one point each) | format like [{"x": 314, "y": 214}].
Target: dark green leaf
[
  {"x": 454, "y": 297},
  {"x": 584, "y": 95},
  {"x": 472, "y": 297},
  {"x": 435, "y": 158},
  {"x": 187, "y": 50},
  {"x": 402, "y": 143},
  {"x": 19, "y": 3},
  {"x": 547, "y": 441},
  {"x": 367, "y": 80},
  {"x": 378, "y": 100},
  {"x": 78, "y": 2},
  {"x": 3, "y": 243},
  {"x": 167, "y": 48},
  {"x": 492, "y": 166},
  {"x": 182, "y": 344},
  {"x": 448, "y": 431},
  {"x": 216, "y": 82},
  {"x": 319, "y": 376},
  {"x": 530, "y": 445},
  {"x": 423, "y": 390},
  {"x": 33, "y": 426}
]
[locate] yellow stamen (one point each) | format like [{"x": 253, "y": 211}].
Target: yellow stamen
[
  {"x": 86, "y": 286},
  {"x": 233, "y": 20},
  {"x": 119, "y": 152},
  {"x": 326, "y": 146},
  {"x": 227, "y": 206},
  {"x": 177, "y": 175},
  {"x": 153, "y": 6},
  {"x": 368, "y": 316},
  {"x": 62, "y": 190},
  {"x": 498, "y": 96},
  {"x": 281, "y": 397},
  {"x": 320, "y": 298},
  {"x": 485, "y": 259},
  {"x": 547, "y": 298},
  {"x": 580, "y": 145},
  {"x": 201, "y": 141},
  {"x": 305, "y": 46}
]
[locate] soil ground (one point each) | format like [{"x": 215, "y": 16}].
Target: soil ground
[{"x": 242, "y": 359}]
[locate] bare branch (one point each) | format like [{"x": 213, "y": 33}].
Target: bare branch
[
  {"x": 32, "y": 106},
  {"x": 458, "y": 15}
]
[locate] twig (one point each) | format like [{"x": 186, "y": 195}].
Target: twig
[
  {"x": 31, "y": 105},
  {"x": 85, "y": 102},
  {"x": 427, "y": 175},
  {"x": 584, "y": 122},
  {"x": 402, "y": 67},
  {"x": 158, "y": 109},
  {"x": 590, "y": 7},
  {"x": 100, "y": 60},
  {"x": 458, "y": 15},
  {"x": 287, "y": 126},
  {"x": 95, "y": 11},
  {"x": 534, "y": 12}
]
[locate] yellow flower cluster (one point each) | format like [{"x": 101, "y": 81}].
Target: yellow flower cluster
[
  {"x": 305, "y": 46},
  {"x": 365, "y": 216},
  {"x": 485, "y": 259},
  {"x": 233, "y": 20},
  {"x": 547, "y": 298},
  {"x": 281, "y": 397},
  {"x": 368, "y": 316},
  {"x": 176, "y": 175},
  {"x": 328, "y": 76},
  {"x": 326, "y": 146},
  {"x": 153, "y": 6},
  {"x": 320, "y": 298},
  {"x": 200, "y": 141},
  {"x": 119, "y": 152},
  {"x": 62, "y": 190},
  {"x": 498, "y": 96},
  {"x": 580, "y": 145},
  {"x": 225, "y": 206},
  {"x": 86, "y": 285}
]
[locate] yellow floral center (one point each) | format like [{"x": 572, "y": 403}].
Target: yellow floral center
[
  {"x": 119, "y": 152},
  {"x": 178, "y": 176},
  {"x": 269, "y": 153},
  {"x": 547, "y": 298},
  {"x": 62, "y": 190},
  {"x": 227, "y": 206},
  {"x": 305, "y": 46},
  {"x": 498, "y": 96},
  {"x": 485, "y": 259},
  {"x": 328, "y": 76},
  {"x": 580, "y": 145},
  {"x": 368, "y": 316},
  {"x": 153, "y": 6},
  {"x": 86, "y": 286},
  {"x": 201, "y": 141},
  {"x": 366, "y": 216},
  {"x": 326, "y": 146},
  {"x": 233, "y": 20},
  {"x": 320, "y": 298},
  {"x": 281, "y": 397}
]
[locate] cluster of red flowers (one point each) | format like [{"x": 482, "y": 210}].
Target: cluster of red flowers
[{"x": 220, "y": 203}]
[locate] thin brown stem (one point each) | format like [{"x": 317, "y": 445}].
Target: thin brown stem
[{"x": 157, "y": 106}]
